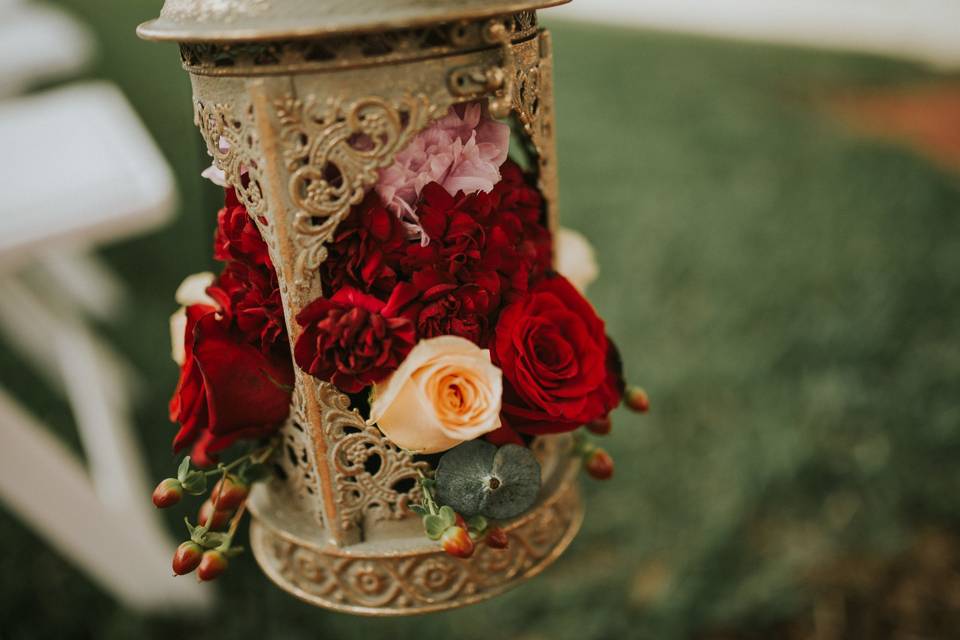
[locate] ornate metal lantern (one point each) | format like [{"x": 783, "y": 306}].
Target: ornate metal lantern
[{"x": 283, "y": 91}]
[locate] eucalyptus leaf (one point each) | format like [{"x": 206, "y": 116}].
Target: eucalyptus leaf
[
  {"x": 514, "y": 483},
  {"x": 476, "y": 478}
]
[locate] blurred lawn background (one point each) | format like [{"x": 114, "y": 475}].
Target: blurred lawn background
[{"x": 786, "y": 290}]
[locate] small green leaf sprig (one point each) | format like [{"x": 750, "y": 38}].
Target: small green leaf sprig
[{"x": 457, "y": 537}]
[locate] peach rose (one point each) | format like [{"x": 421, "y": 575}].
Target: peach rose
[
  {"x": 444, "y": 393},
  {"x": 193, "y": 290}
]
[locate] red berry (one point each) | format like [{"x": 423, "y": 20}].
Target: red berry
[
  {"x": 229, "y": 493},
  {"x": 457, "y": 542},
  {"x": 600, "y": 426},
  {"x": 497, "y": 538},
  {"x": 187, "y": 557},
  {"x": 219, "y": 519},
  {"x": 636, "y": 399},
  {"x": 599, "y": 464},
  {"x": 212, "y": 565},
  {"x": 168, "y": 493}
]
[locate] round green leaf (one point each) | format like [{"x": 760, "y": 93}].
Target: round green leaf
[{"x": 476, "y": 478}]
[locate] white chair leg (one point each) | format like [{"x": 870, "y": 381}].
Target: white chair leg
[
  {"x": 46, "y": 486},
  {"x": 86, "y": 281}
]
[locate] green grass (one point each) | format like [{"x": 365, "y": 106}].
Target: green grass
[{"x": 788, "y": 293}]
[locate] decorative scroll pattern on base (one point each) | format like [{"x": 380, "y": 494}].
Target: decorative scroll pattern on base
[
  {"x": 390, "y": 584},
  {"x": 374, "y": 479}
]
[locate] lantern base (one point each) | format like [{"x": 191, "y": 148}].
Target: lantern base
[{"x": 397, "y": 578}]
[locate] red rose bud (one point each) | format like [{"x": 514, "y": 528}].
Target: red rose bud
[
  {"x": 599, "y": 464},
  {"x": 219, "y": 518},
  {"x": 600, "y": 426},
  {"x": 187, "y": 557},
  {"x": 168, "y": 493},
  {"x": 636, "y": 399},
  {"x": 497, "y": 538},
  {"x": 212, "y": 565},
  {"x": 229, "y": 493},
  {"x": 457, "y": 542}
]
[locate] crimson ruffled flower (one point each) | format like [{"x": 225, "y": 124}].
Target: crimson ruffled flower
[
  {"x": 237, "y": 237},
  {"x": 559, "y": 369},
  {"x": 500, "y": 233},
  {"x": 254, "y": 297},
  {"x": 354, "y": 339},
  {"x": 366, "y": 250},
  {"x": 447, "y": 307},
  {"x": 228, "y": 389}
]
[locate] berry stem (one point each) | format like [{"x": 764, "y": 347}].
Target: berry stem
[{"x": 257, "y": 456}]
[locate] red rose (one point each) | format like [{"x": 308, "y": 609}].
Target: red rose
[
  {"x": 237, "y": 237},
  {"x": 366, "y": 250},
  {"x": 558, "y": 367},
  {"x": 353, "y": 339},
  {"x": 228, "y": 389},
  {"x": 254, "y": 298}
]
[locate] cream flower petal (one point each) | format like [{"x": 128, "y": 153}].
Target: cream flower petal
[{"x": 576, "y": 260}]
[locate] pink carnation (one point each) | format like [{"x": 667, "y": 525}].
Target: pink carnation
[{"x": 462, "y": 151}]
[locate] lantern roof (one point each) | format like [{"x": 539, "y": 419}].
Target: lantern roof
[{"x": 248, "y": 20}]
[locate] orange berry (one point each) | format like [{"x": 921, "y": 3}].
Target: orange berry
[
  {"x": 599, "y": 464},
  {"x": 168, "y": 493},
  {"x": 457, "y": 542}
]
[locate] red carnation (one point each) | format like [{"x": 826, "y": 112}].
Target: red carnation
[
  {"x": 558, "y": 367},
  {"x": 254, "y": 297},
  {"x": 516, "y": 197},
  {"x": 228, "y": 389},
  {"x": 366, "y": 250},
  {"x": 237, "y": 237},
  {"x": 353, "y": 339},
  {"x": 449, "y": 308},
  {"x": 500, "y": 232}
]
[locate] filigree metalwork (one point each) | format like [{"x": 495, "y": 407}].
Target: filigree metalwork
[
  {"x": 296, "y": 460},
  {"x": 301, "y": 128},
  {"x": 332, "y": 150},
  {"x": 375, "y": 479},
  {"x": 423, "y": 579},
  {"x": 347, "y": 51},
  {"x": 233, "y": 144}
]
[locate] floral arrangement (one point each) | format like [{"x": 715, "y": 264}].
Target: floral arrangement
[{"x": 449, "y": 309}]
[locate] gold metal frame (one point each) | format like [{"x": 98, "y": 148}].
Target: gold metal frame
[{"x": 280, "y": 118}]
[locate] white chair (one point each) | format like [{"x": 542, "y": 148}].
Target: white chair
[{"x": 79, "y": 170}]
